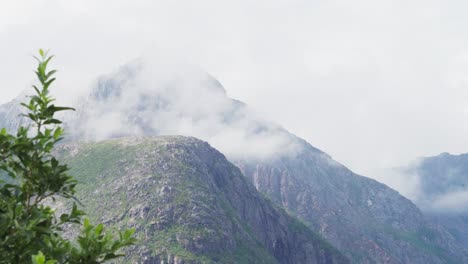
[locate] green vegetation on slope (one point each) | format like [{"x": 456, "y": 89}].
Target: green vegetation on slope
[
  {"x": 123, "y": 176},
  {"x": 173, "y": 191}
]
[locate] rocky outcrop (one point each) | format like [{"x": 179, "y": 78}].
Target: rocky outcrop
[{"x": 188, "y": 204}]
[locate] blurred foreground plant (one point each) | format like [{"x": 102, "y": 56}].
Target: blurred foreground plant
[{"x": 30, "y": 230}]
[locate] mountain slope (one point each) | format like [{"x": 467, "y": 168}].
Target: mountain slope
[
  {"x": 366, "y": 220},
  {"x": 188, "y": 204}
]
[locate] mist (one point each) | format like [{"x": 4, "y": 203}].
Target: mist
[{"x": 160, "y": 95}]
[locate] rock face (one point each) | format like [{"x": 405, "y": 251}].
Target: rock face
[
  {"x": 443, "y": 191},
  {"x": 188, "y": 204},
  {"x": 366, "y": 220}
]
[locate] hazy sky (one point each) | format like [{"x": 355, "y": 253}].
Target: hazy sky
[{"x": 372, "y": 83}]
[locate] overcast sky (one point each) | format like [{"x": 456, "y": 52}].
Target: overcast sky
[{"x": 373, "y": 83}]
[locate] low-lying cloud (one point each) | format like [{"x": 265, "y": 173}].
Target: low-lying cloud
[
  {"x": 456, "y": 201},
  {"x": 160, "y": 96}
]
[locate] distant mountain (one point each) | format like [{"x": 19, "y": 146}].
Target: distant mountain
[
  {"x": 366, "y": 220},
  {"x": 440, "y": 177},
  {"x": 443, "y": 191},
  {"x": 188, "y": 204}
]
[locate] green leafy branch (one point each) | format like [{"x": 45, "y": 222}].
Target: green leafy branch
[{"x": 30, "y": 231}]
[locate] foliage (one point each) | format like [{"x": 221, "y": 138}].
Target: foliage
[{"x": 30, "y": 230}]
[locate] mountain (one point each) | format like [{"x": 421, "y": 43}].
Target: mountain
[
  {"x": 364, "y": 219},
  {"x": 443, "y": 191},
  {"x": 187, "y": 203}
]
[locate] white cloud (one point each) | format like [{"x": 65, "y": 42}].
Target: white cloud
[
  {"x": 453, "y": 202},
  {"x": 406, "y": 183},
  {"x": 166, "y": 97}
]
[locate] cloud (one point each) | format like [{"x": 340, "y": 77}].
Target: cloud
[
  {"x": 373, "y": 83},
  {"x": 407, "y": 183},
  {"x": 160, "y": 96},
  {"x": 453, "y": 202}
]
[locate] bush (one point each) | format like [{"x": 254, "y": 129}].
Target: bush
[{"x": 30, "y": 230}]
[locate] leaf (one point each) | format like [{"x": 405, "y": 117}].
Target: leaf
[
  {"x": 111, "y": 256},
  {"x": 86, "y": 223},
  {"x": 36, "y": 89},
  {"x": 52, "y": 121},
  {"x": 49, "y": 74},
  {"x": 46, "y": 61},
  {"x": 39, "y": 258},
  {"x": 98, "y": 229},
  {"x": 57, "y": 133},
  {"x": 128, "y": 233},
  {"x": 61, "y": 108}
]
